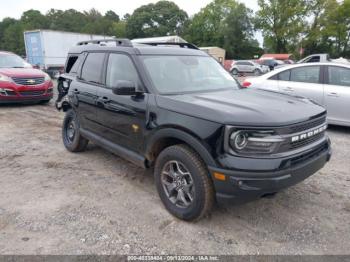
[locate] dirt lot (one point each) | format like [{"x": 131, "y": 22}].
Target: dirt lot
[{"x": 55, "y": 202}]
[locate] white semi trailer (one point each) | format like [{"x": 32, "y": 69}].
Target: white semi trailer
[{"x": 48, "y": 50}]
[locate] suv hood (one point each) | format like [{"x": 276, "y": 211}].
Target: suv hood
[
  {"x": 243, "y": 107},
  {"x": 21, "y": 72}
]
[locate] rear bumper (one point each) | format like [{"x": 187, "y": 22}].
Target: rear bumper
[{"x": 244, "y": 186}]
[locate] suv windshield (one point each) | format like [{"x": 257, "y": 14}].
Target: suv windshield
[
  {"x": 187, "y": 74},
  {"x": 12, "y": 61}
]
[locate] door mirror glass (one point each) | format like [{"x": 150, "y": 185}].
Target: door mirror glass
[{"x": 124, "y": 88}]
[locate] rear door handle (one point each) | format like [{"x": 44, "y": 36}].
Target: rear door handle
[{"x": 333, "y": 94}]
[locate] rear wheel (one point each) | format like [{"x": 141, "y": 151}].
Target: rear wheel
[
  {"x": 257, "y": 72},
  {"x": 234, "y": 71},
  {"x": 72, "y": 139},
  {"x": 183, "y": 183}
]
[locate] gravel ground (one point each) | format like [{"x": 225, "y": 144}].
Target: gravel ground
[{"x": 56, "y": 202}]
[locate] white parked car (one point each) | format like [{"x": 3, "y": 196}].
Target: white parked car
[
  {"x": 246, "y": 66},
  {"x": 328, "y": 84}
]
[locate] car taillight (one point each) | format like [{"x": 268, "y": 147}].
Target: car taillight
[{"x": 246, "y": 84}]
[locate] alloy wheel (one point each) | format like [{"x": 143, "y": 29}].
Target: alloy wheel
[{"x": 178, "y": 184}]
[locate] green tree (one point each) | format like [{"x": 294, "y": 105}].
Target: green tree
[
  {"x": 12, "y": 39},
  {"x": 112, "y": 16},
  {"x": 282, "y": 23},
  {"x": 33, "y": 19},
  {"x": 337, "y": 28},
  {"x": 316, "y": 37},
  {"x": 160, "y": 19},
  {"x": 118, "y": 29},
  {"x": 227, "y": 24},
  {"x": 4, "y": 24},
  {"x": 68, "y": 20}
]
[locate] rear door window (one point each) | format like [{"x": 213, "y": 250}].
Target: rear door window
[
  {"x": 92, "y": 68},
  {"x": 338, "y": 76},
  {"x": 309, "y": 74}
]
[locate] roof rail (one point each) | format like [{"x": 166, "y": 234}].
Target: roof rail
[
  {"x": 182, "y": 45},
  {"x": 118, "y": 42}
]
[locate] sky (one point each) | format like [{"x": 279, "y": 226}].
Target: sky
[{"x": 15, "y": 8}]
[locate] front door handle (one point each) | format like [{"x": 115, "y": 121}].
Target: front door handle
[{"x": 333, "y": 94}]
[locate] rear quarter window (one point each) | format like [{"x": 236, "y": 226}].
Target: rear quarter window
[
  {"x": 284, "y": 76},
  {"x": 73, "y": 63}
]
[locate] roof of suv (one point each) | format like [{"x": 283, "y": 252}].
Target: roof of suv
[{"x": 139, "y": 49}]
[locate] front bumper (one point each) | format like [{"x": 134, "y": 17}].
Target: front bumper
[
  {"x": 13, "y": 93},
  {"x": 244, "y": 186}
]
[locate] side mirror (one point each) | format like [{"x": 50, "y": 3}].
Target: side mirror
[{"x": 125, "y": 88}]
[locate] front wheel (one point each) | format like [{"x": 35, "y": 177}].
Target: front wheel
[
  {"x": 72, "y": 139},
  {"x": 183, "y": 183}
]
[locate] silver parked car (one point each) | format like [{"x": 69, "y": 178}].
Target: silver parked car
[
  {"x": 328, "y": 84},
  {"x": 245, "y": 66}
]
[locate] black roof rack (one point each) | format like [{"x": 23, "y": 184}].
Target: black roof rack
[
  {"x": 118, "y": 42},
  {"x": 183, "y": 45},
  {"x": 127, "y": 43}
]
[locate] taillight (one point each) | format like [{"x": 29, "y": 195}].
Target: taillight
[{"x": 246, "y": 84}]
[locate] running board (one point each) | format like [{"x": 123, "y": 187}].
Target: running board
[{"x": 127, "y": 154}]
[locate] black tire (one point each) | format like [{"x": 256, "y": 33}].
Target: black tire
[
  {"x": 234, "y": 71},
  {"x": 257, "y": 72},
  {"x": 75, "y": 142},
  {"x": 202, "y": 192}
]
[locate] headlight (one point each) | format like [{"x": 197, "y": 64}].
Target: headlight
[
  {"x": 4, "y": 78},
  {"x": 253, "y": 141},
  {"x": 47, "y": 77}
]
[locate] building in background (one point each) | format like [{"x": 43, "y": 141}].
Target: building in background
[
  {"x": 216, "y": 52},
  {"x": 282, "y": 57}
]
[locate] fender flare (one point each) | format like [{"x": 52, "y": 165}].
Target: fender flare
[{"x": 190, "y": 140}]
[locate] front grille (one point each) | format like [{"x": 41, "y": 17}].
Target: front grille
[
  {"x": 301, "y": 128},
  {"x": 308, "y": 125},
  {"x": 306, "y": 141},
  {"x": 32, "y": 93},
  {"x": 28, "y": 81}
]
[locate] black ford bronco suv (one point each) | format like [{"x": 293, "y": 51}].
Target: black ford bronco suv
[{"x": 174, "y": 109}]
